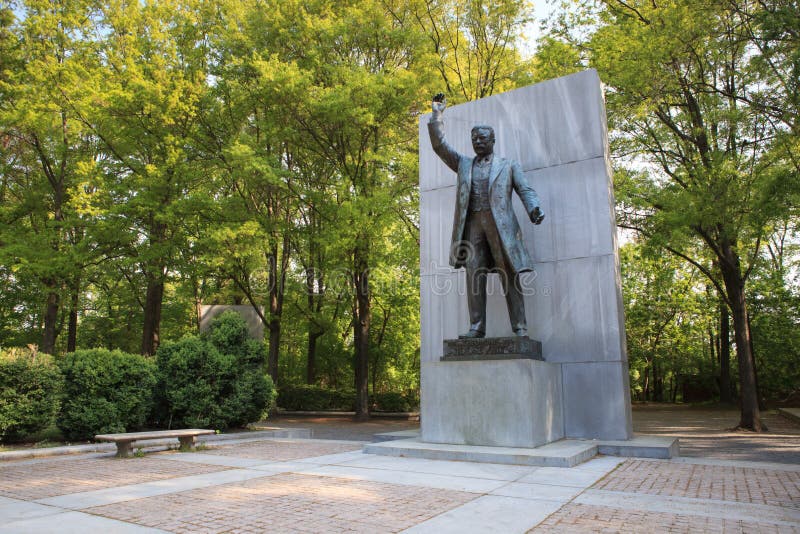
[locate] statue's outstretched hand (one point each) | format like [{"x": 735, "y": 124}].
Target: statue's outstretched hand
[
  {"x": 439, "y": 103},
  {"x": 537, "y": 216}
]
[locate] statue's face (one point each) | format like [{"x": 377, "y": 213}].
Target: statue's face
[{"x": 483, "y": 141}]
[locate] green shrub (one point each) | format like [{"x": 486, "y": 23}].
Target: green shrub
[
  {"x": 215, "y": 380},
  {"x": 105, "y": 392},
  {"x": 30, "y": 389},
  {"x": 315, "y": 398},
  {"x": 391, "y": 401}
]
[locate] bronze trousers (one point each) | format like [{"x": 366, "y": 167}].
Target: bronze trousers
[{"x": 485, "y": 254}]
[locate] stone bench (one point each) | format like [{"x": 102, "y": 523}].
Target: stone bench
[{"x": 125, "y": 440}]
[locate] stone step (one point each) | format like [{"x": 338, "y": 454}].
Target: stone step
[{"x": 562, "y": 453}]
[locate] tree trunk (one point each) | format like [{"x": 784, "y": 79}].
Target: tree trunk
[
  {"x": 151, "y": 331},
  {"x": 761, "y": 401},
  {"x": 277, "y": 278},
  {"x": 658, "y": 383},
  {"x": 361, "y": 338},
  {"x": 725, "y": 391},
  {"x": 50, "y": 319},
  {"x": 311, "y": 353},
  {"x": 314, "y": 331},
  {"x": 72, "y": 326},
  {"x": 734, "y": 285}
]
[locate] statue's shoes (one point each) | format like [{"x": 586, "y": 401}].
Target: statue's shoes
[
  {"x": 472, "y": 334},
  {"x": 521, "y": 332}
]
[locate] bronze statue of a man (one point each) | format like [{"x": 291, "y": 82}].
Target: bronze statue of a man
[{"x": 486, "y": 234}]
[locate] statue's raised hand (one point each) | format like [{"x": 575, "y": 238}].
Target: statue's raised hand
[{"x": 439, "y": 103}]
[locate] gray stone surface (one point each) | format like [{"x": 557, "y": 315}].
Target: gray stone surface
[
  {"x": 594, "y": 399},
  {"x": 489, "y": 514},
  {"x": 556, "y": 130},
  {"x": 254, "y": 324},
  {"x": 503, "y": 403},
  {"x": 74, "y": 523},
  {"x": 562, "y": 453},
  {"x": 496, "y": 348},
  {"x": 663, "y": 447},
  {"x": 87, "y": 499}
]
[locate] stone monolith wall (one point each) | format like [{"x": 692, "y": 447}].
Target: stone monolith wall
[{"x": 556, "y": 130}]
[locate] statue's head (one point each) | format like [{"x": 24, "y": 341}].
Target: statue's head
[{"x": 483, "y": 140}]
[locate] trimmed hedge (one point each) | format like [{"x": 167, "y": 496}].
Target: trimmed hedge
[
  {"x": 105, "y": 392},
  {"x": 216, "y": 380},
  {"x": 390, "y": 401},
  {"x": 315, "y": 398},
  {"x": 30, "y": 389}
]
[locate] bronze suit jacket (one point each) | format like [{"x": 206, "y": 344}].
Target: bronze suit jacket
[{"x": 504, "y": 176}]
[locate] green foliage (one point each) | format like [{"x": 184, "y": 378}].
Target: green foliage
[
  {"x": 30, "y": 388},
  {"x": 314, "y": 398},
  {"x": 392, "y": 401},
  {"x": 215, "y": 380},
  {"x": 105, "y": 392}
]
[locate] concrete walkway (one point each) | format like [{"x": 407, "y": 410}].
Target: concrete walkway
[
  {"x": 256, "y": 482},
  {"x": 312, "y": 485}
]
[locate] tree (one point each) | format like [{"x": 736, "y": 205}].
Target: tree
[
  {"x": 144, "y": 109},
  {"x": 46, "y": 149},
  {"x": 678, "y": 82},
  {"x": 667, "y": 316},
  {"x": 477, "y": 44}
]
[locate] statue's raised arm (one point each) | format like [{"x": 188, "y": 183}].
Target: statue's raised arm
[{"x": 436, "y": 130}]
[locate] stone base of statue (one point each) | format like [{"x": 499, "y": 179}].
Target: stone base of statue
[{"x": 493, "y": 392}]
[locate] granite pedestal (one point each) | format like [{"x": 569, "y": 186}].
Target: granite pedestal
[{"x": 492, "y": 392}]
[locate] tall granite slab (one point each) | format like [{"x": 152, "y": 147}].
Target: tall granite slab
[{"x": 557, "y": 131}]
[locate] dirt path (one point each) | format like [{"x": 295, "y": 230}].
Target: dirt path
[{"x": 707, "y": 432}]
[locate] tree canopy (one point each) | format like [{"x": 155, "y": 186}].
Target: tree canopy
[{"x": 157, "y": 156}]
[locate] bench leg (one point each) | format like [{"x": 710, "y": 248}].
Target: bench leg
[
  {"x": 187, "y": 443},
  {"x": 124, "y": 449}
]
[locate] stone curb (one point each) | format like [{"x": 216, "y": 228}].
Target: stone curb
[
  {"x": 152, "y": 444},
  {"x": 411, "y": 416},
  {"x": 793, "y": 414}
]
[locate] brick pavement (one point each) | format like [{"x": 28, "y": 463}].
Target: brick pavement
[
  {"x": 721, "y": 482},
  {"x": 318, "y": 486},
  {"x": 697, "y": 486},
  {"x": 37, "y": 479},
  {"x": 575, "y": 517},
  {"x": 290, "y": 502}
]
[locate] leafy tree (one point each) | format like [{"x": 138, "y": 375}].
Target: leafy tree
[
  {"x": 707, "y": 188},
  {"x": 667, "y": 318},
  {"x": 477, "y": 43},
  {"x": 45, "y": 150},
  {"x": 144, "y": 109}
]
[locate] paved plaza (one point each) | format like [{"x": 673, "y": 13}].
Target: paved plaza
[{"x": 263, "y": 484}]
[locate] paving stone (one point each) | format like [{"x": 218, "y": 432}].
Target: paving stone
[
  {"x": 31, "y": 481},
  {"x": 490, "y": 514},
  {"x": 723, "y": 482},
  {"x": 575, "y": 517},
  {"x": 290, "y": 503}
]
